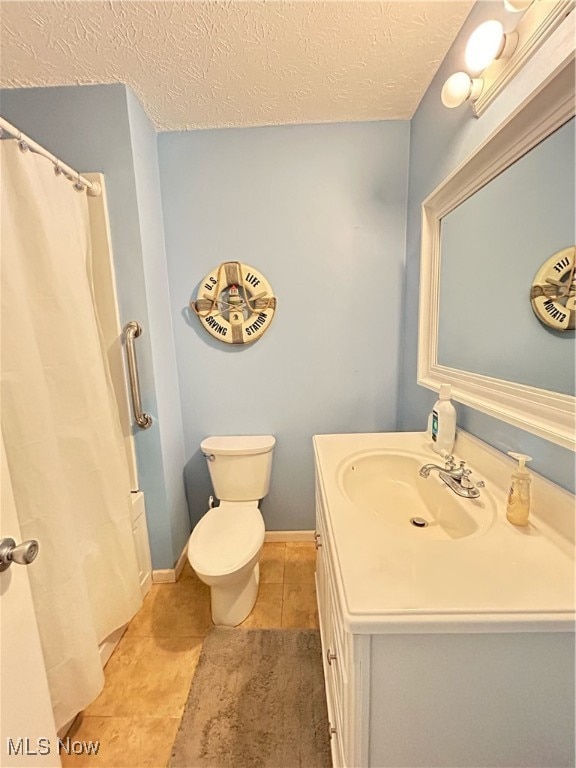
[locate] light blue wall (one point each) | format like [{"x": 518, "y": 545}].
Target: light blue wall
[
  {"x": 175, "y": 523},
  {"x": 440, "y": 139},
  {"x": 101, "y": 128},
  {"x": 320, "y": 211}
]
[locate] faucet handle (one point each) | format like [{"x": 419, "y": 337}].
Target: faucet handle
[
  {"x": 450, "y": 463},
  {"x": 465, "y": 482}
]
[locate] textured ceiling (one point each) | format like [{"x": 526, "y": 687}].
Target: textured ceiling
[{"x": 203, "y": 64}]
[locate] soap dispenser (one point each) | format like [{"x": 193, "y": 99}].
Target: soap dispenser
[
  {"x": 518, "y": 505},
  {"x": 443, "y": 422}
]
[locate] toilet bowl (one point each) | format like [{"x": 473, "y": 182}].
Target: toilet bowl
[{"x": 224, "y": 550}]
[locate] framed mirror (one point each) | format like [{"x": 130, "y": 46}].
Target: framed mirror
[{"x": 490, "y": 232}]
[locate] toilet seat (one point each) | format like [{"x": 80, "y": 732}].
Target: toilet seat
[{"x": 226, "y": 538}]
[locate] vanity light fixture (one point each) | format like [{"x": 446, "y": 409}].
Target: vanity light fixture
[
  {"x": 460, "y": 87},
  {"x": 487, "y": 43}
]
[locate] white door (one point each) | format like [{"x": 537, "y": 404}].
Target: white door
[{"x": 27, "y": 732}]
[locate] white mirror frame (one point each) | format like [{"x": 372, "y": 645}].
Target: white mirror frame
[{"x": 549, "y": 95}]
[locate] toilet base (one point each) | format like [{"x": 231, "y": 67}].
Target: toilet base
[{"x": 232, "y": 603}]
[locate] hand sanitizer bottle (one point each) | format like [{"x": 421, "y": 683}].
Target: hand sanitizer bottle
[
  {"x": 443, "y": 421},
  {"x": 518, "y": 505}
]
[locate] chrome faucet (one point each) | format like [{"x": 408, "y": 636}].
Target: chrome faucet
[{"x": 456, "y": 478}]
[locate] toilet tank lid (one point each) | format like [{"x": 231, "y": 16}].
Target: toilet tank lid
[{"x": 239, "y": 445}]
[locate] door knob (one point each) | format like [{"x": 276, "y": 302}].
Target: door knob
[{"x": 23, "y": 554}]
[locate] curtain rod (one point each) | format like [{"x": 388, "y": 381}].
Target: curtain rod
[{"x": 80, "y": 182}]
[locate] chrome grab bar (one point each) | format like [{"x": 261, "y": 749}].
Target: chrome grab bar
[{"x": 131, "y": 331}]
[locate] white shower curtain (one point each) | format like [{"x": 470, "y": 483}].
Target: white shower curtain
[{"x": 61, "y": 429}]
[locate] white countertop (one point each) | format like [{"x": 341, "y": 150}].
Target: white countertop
[{"x": 504, "y": 579}]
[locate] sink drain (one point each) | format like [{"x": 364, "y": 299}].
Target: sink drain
[{"x": 419, "y": 522}]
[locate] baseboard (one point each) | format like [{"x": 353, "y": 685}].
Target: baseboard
[
  {"x": 181, "y": 562},
  {"x": 107, "y": 647},
  {"x": 289, "y": 536},
  {"x": 164, "y": 576},
  {"x": 170, "y": 575}
]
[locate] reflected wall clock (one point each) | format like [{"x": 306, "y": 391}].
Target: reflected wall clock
[{"x": 553, "y": 292}]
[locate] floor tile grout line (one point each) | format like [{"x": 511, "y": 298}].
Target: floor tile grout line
[
  {"x": 133, "y": 717},
  {"x": 167, "y": 637},
  {"x": 283, "y": 582}
]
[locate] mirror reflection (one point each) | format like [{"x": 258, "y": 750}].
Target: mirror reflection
[{"x": 493, "y": 247}]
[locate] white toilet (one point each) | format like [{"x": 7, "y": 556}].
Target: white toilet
[{"x": 225, "y": 545}]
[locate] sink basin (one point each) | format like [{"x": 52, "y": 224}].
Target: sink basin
[{"x": 388, "y": 486}]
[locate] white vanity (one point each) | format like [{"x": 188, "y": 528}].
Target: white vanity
[{"x": 450, "y": 643}]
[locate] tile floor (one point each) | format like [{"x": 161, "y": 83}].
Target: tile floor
[{"x": 148, "y": 677}]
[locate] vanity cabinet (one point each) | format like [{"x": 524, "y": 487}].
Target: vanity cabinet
[
  {"x": 418, "y": 686},
  {"x": 343, "y": 654}
]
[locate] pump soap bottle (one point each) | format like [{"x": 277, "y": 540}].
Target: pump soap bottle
[
  {"x": 518, "y": 505},
  {"x": 443, "y": 421}
]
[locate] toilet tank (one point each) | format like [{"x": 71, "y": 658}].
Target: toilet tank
[{"x": 240, "y": 467}]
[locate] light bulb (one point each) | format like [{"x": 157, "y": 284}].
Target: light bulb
[
  {"x": 458, "y": 88},
  {"x": 517, "y": 6},
  {"x": 485, "y": 44}
]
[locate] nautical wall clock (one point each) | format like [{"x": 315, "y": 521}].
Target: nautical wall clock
[
  {"x": 553, "y": 293},
  {"x": 235, "y": 303}
]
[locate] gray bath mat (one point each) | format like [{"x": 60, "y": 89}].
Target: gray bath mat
[{"x": 257, "y": 701}]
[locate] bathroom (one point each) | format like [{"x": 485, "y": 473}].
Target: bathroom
[{"x": 323, "y": 196}]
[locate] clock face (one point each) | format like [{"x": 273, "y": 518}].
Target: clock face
[{"x": 553, "y": 293}]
